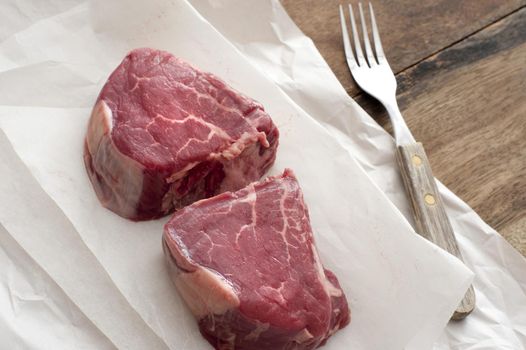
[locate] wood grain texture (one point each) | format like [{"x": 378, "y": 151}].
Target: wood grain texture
[
  {"x": 410, "y": 30},
  {"x": 466, "y": 102},
  {"x": 430, "y": 215}
]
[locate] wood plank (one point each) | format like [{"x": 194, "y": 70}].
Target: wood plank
[
  {"x": 410, "y": 30},
  {"x": 467, "y": 105}
]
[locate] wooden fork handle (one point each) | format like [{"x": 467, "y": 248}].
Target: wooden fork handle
[{"x": 428, "y": 209}]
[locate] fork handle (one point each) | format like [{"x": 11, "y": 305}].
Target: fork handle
[{"x": 428, "y": 209}]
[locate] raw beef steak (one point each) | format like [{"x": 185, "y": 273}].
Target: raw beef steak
[
  {"x": 246, "y": 265},
  {"x": 163, "y": 134}
]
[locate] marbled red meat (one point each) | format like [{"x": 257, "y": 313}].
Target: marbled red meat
[
  {"x": 246, "y": 265},
  {"x": 163, "y": 134}
]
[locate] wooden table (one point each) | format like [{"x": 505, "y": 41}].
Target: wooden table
[{"x": 461, "y": 71}]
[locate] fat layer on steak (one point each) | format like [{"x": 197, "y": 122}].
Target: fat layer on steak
[
  {"x": 246, "y": 265},
  {"x": 163, "y": 134}
]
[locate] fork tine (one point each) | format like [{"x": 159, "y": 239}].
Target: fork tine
[
  {"x": 346, "y": 42},
  {"x": 356, "y": 40},
  {"x": 376, "y": 37},
  {"x": 366, "y": 42}
]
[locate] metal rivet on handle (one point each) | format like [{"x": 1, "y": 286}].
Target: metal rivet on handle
[
  {"x": 429, "y": 199},
  {"x": 416, "y": 160}
]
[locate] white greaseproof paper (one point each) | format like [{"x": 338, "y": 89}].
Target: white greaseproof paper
[
  {"x": 279, "y": 49},
  {"x": 39, "y": 307},
  {"x": 51, "y": 72},
  {"x": 37, "y": 227}
]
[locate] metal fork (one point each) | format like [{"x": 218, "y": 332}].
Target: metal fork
[{"x": 373, "y": 74}]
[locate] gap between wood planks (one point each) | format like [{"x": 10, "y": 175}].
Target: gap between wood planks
[{"x": 436, "y": 52}]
